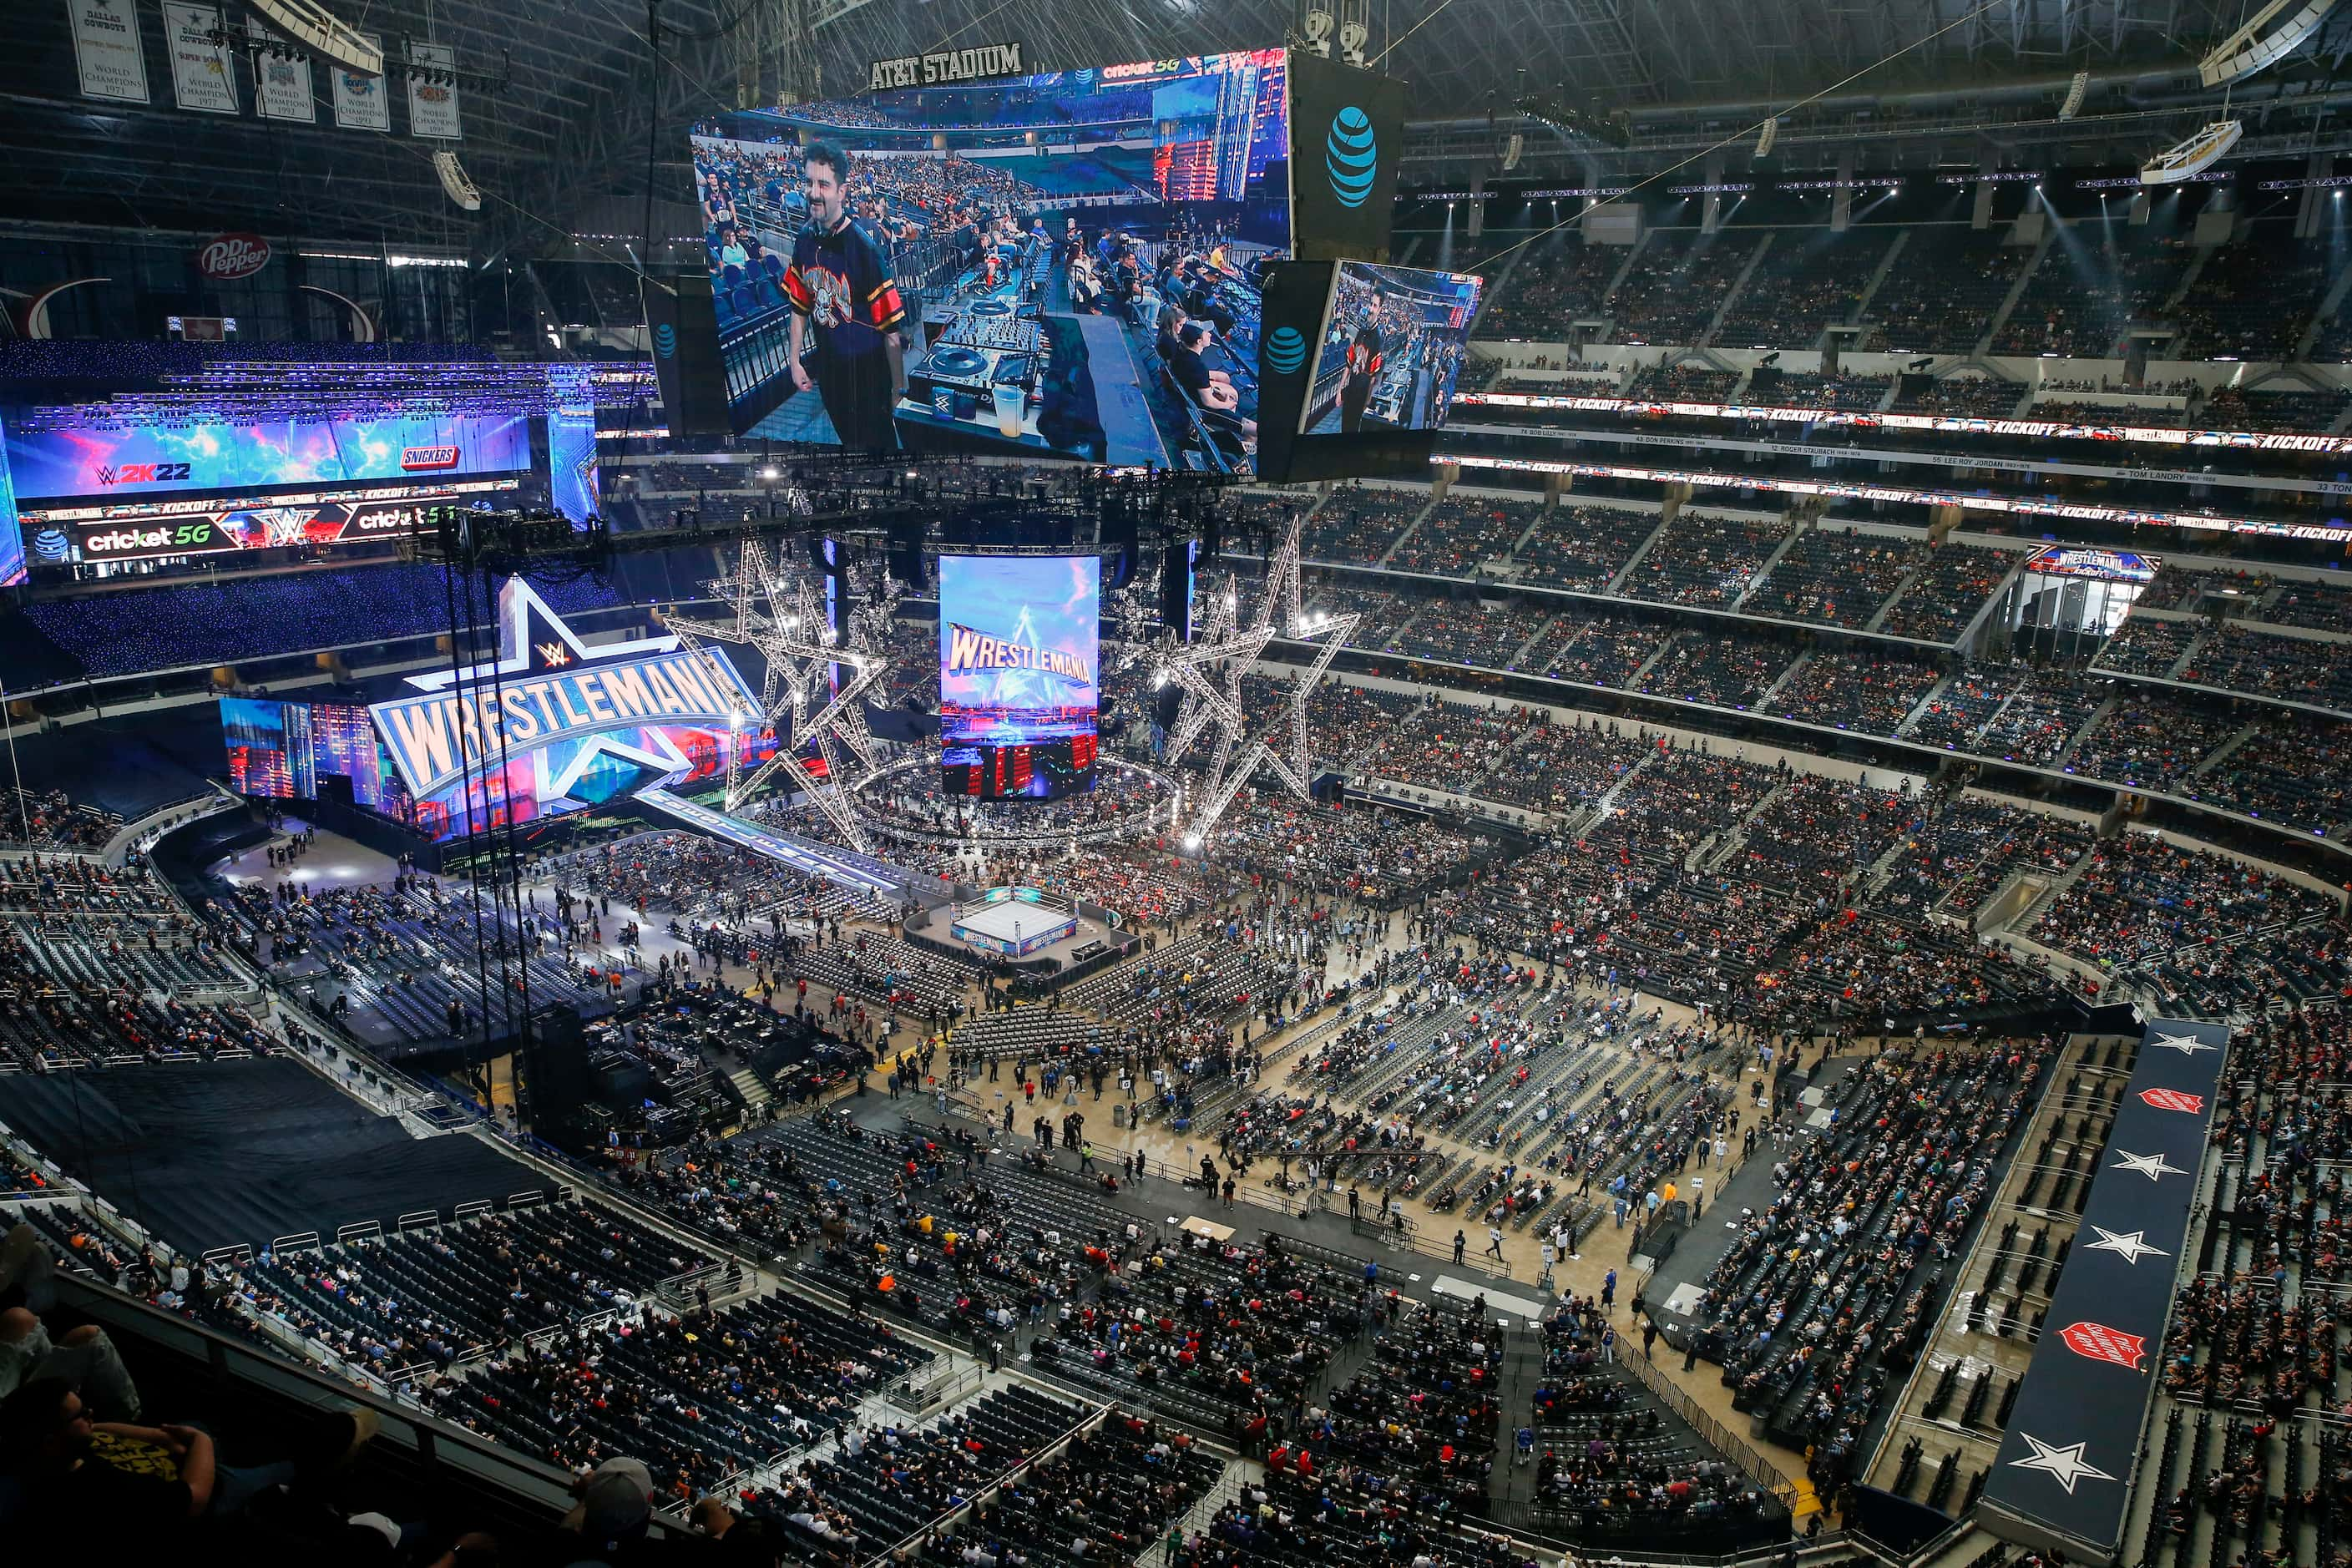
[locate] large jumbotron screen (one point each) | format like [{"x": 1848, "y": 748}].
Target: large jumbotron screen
[
  {"x": 1394, "y": 341},
  {"x": 1019, "y": 639},
  {"x": 1065, "y": 264}
]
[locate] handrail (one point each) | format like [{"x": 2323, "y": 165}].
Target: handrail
[
  {"x": 403, "y": 1426},
  {"x": 1750, "y": 1463}
]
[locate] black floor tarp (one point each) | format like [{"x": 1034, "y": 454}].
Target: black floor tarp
[{"x": 213, "y": 1155}]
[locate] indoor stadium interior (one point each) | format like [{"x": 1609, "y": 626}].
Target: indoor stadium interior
[{"x": 1209, "y": 783}]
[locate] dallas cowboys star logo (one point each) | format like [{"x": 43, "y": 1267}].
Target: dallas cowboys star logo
[
  {"x": 2187, "y": 1044},
  {"x": 2131, "y": 1245},
  {"x": 2063, "y": 1464},
  {"x": 2153, "y": 1166}
]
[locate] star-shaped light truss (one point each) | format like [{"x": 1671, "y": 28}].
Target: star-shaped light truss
[
  {"x": 1210, "y": 668},
  {"x": 784, "y": 617}
]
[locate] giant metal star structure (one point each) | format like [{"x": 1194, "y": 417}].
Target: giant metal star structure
[
  {"x": 783, "y": 619},
  {"x": 1211, "y": 668}
]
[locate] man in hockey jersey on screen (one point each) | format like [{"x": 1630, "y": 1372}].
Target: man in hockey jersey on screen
[
  {"x": 840, "y": 282},
  {"x": 1363, "y": 368}
]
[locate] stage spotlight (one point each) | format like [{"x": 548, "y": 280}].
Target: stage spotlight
[
  {"x": 1315, "y": 25},
  {"x": 319, "y": 31}
]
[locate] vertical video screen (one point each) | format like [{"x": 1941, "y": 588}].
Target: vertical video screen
[
  {"x": 1066, "y": 265},
  {"x": 1019, "y": 640},
  {"x": 1394, "y": 341}
]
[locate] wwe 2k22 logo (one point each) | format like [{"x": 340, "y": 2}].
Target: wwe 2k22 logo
[{"x": 144, "y": 473}]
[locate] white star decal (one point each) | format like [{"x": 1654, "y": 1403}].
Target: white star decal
[
  {"x": 2153, "y": 1166},
  {"x": 2063, "y": 1464},
  {"x": 2187, "y": 1044},
  {"x": 2128, "y": 1245}
]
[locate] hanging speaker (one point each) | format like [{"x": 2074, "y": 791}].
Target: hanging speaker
[
  {"x": 906, "y": 546},
  {"x": 1770, "y": 134},
  {"x": 2074, "y": 91}
]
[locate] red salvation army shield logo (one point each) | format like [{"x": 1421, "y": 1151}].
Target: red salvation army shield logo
[
  {"x": 230, "y": 257},
  {"x": 2099, "y": 1342},
  {"x": 2172, "y": 1100}
]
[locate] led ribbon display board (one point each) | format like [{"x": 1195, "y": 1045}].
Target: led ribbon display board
[{"x": 110, "y": 462}]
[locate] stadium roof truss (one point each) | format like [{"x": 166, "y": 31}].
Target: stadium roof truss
[{"x": 565, "y": 101}]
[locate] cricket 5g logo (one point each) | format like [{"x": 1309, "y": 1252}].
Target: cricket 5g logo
[
  {"x": 144, "y": 473},
  {"x": 130, "y": 539}
]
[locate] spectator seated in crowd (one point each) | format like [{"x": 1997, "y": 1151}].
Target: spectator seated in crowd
[
  {"x": 1357, "y": 525},
  {"x": 1958, "y": 396},
  {"x": 1821, "y": 1305},
  {"x": 1584, "y": 546},
  {"x": 1834, "y": 577},
  {"x": 1459, "y": 533},
  {"x": 1856, "y": 691},
  {"x": 49, "y": 820},
  {"x": 1943, "y": 294},
  {"x": 1558, "y": 280},
  {"x": 1676, "y": 284},
  {"x": 2147, "y": 739},
  {"x": 2291, "y": 769},
  {"x": 1596, "y": 648},
  {"x": 2144, "y": 645},
  {"x": 1955, "y": 582},
  {"x": 2196, "y": 922},
  {"x": 1727, "y": 670},
  {"x": 1705, "y": 559}
]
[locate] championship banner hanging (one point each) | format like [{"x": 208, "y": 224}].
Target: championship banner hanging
[
  {"x": 361, "y": 102},
  {"x": 433, "y": 92},
  {"x": 201, "y": 77},
  {"x": 281, "y": 78},
  {"x": 107, "y": 49}
]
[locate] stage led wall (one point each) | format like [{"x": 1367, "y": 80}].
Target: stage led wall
[
  {"x": 1052, "y": 236},
  {"x": 555, "y": 725},
  {"x": 572, "y": 463},
  {"x": 120, "y": 462},
  {"x": 282, "y": 749},
  {"x": 1020, "y": 638}
]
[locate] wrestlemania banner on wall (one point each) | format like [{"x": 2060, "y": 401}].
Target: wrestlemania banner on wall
[{"x": 2061, "y": 1479}]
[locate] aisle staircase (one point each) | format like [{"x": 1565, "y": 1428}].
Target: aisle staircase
[{"x": 747, "y": 1084}]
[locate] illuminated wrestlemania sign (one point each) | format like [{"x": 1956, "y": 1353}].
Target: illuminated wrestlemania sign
[
  {"x": 2105, "y": 565},
  {"x": 553, "y": 710}
]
